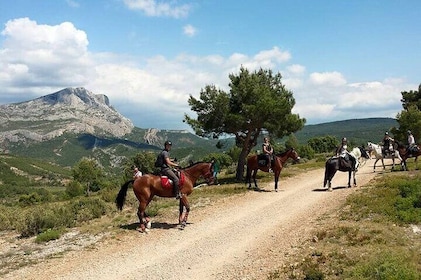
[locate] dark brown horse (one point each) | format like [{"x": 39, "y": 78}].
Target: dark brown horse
[
  {"x": 334, "y": 164},
  {"x": 147, "y": 186},
  {"x": 405, "y": 153},
  {"x": 255, "y": 163}
]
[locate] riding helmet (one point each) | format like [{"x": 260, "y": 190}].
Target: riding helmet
[
  {"x": 386, "y": 133},
  {"x": 344, "y": 139},
  {"x": 409, "y": 132},
  {"x": 168, "y": 143}
]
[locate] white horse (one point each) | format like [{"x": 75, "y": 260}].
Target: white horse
[{"x": 377, "y": 150}]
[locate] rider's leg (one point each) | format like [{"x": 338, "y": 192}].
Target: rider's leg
[{"x": 176, "y": 181}]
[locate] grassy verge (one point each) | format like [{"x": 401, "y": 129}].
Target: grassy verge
[{"x": 373, "y": 236}]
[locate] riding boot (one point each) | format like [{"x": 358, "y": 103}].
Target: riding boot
[{"x": 177, "y": 191}]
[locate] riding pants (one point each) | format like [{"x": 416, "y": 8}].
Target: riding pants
[{"x": 171, "y": 175}]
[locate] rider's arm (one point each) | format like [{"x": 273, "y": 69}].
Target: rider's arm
[{"x": 170, "y": 163}]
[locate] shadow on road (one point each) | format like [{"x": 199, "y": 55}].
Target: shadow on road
[{"x": 333, "y": 188}]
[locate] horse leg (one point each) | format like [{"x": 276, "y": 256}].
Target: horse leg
[
  {"x": 333, "y": 172},
  {"x": 248, "y": 177},
  {"x": 143, "y": 219},
  {"x": 276, "y": 180},
  {"x": 355, "y": 179},
  {"x": 349, "y": 179},
  {"x": 374, "y": 166},
  {"x": 182, "y": 218},
  {"x": 254, "y": 179},
  {"x": 384, "y": 167}
]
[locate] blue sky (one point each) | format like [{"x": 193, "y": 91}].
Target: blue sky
[{"x": 341, "y": 59}]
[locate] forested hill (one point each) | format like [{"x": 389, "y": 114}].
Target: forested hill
[{"x": 359, "y": 131}]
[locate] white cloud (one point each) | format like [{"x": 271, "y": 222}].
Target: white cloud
[
  {"x": 189, "y": 30},
  {"x": 296, "y": 69},
  {"x": 328, "y": 79},
  {"x": 38, "y": 59},
  {"x": 156, "y": 9},
  {"x": 273, "y": 55},
  {"x": 43, "y": 55}
]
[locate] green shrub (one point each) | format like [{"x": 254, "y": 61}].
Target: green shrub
[
  {"x": 50, "y": 234},
  {"x": 74, "y": 189},
  {"x": 387, "y": 266},
  {"x": 88, "y": 208},
  {"x": 29, "y": 199},
  {"x": 6, "y": 217}
]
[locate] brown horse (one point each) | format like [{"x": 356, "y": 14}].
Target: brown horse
[
  {"x": 254, "y": 163},
  {"x": 405, "y": 154},
  {"x": 147, "y": 186}
]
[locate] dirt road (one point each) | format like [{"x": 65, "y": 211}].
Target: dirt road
[{"x": 244, "y": 237}]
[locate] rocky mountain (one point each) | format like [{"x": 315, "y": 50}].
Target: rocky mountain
[{"x": 71, "y": 110}]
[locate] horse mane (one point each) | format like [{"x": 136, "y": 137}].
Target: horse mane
[
  {"x": 194, "y": 163},
  {"x": 283, "y": 153}
]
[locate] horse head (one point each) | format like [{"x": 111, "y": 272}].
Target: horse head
[
  {"x": 294, "y": 155},
  {"x": 207, "y": 173}
]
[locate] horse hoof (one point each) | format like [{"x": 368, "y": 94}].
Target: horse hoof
[
  {"x": 182, "y": 225},
  {"x": 142, "y": 230},
  {"x": 148, "y": 225}
]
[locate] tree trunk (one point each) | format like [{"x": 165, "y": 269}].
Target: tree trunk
[
  {"x": 240, "y": 165},
  {"x": 248, "y": 141}
]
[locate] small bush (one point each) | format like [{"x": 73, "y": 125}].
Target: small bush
[
  {"x": 6, "y": 217},
  {"x": 74, "y": 189},
  {"x": 50, "y": 234},
  {"x": 86, "y": 209}
]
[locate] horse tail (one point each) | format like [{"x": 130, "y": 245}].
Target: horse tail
[{"x": 121, "y": 197}]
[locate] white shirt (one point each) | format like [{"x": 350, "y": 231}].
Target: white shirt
[
  {"x": 411, "y": 140},
  {"x": 137, "y": 174}
]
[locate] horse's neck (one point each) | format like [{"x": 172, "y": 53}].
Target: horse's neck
[
  {"x": 193, "y": 173},
  {"x": 377, "y": 148},
  {"x": 284, "y": 156},
  {"x": 356, "y": 153}
]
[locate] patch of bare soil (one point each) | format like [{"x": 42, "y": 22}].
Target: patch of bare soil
[{"x": 242, "y": 237}]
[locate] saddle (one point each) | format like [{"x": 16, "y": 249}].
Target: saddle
[
  {"x": 344, "y": 163},
  {"x": 262, "y": 160},
  {"x": 167, "y": 183}
]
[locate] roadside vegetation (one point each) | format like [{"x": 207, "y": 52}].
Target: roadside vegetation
[{"x": 375, "y": 235}]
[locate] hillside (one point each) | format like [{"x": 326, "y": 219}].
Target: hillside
[{"x": 358, "y": 131}]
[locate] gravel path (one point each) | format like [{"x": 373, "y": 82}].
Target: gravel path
[{"x": 242, "y": 237}]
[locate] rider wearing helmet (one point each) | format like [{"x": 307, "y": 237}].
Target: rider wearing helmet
[
  {"x": 387, "y": 141},
  {"x": 348, "y": 159}
]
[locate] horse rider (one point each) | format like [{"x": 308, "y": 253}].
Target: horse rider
[
  {"x": 137, "y": 173},
  {"x": 412, "y": 146},
  {"x": 348, "y": 159},
  {"x": 387, "y": 141},
  {"x": 268, "y": 151},
  {"x": 167, "y": 166}
]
